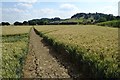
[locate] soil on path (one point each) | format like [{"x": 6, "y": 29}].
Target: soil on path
[{"x": 43, "y": 62}]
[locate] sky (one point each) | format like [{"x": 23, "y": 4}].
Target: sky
[{"x": 24, "y": 10}]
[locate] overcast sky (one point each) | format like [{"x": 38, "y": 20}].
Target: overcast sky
[{"x": 20, "y": 10}]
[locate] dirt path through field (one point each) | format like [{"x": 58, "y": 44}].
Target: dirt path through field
[{"x": 43, "y": 62}]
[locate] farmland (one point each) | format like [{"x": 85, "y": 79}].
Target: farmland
[
  {"x": 91, "y": 46},
  {"x": 14, "y": 49},
  {"x": 93, "y": 38},
  {"x": 12, "y": 30},
  {"x": 97, "y": 46}
]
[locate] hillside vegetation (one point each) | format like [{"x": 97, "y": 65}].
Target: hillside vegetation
[{"x": 114, "y": 23}]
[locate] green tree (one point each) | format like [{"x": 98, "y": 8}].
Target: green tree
[
  {"x": 102, "y": 19},
  {"x": 17, "y": 23},
  {"x": 25, "y": 23},
  {"x": 5, "y": 23},
  {"x": 32, "y": 22}
]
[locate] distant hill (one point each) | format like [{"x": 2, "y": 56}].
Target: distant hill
[{"x": 94, "y": 17}]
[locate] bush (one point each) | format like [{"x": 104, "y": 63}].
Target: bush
[{"x": 114, "y": 23}]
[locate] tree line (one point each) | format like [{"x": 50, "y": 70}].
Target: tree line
[
  {"x": 87, "y": 18},
  {"x": 43, "y": 21}
]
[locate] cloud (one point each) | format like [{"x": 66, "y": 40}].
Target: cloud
[
  {"x": 33, "y": 1},
  {"x": 63, "y": 11},
  {"x": 28, "y": 1},
  {"x": 25, "y": 5},
  {"x": 0, "y": 14},
  {"x": 45, "y": 12},
  {"x": 94, "y": 0},
  {"x": 68, "y": 10},
  {"x": 14, "y": 14},
  {"x": 68, "y": 1},
  {"x": 110, "y": 10},
  {"x": 11, "y": 10},
  {"x": 68, "y": 6}
]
